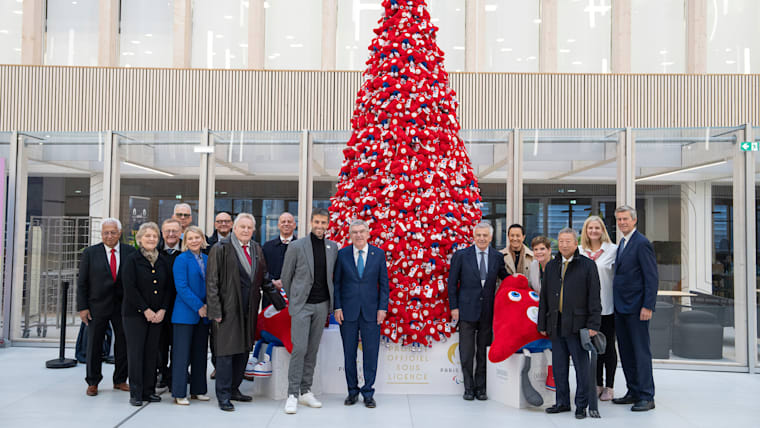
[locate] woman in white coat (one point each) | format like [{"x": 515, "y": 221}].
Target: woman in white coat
[{"x": 597, "y": 245}]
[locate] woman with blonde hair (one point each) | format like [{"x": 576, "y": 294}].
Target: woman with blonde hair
[
  {"x": 190, "y": 346},
  {"x": 597, "y": 245},
  {"x": 147, "y": 279}
]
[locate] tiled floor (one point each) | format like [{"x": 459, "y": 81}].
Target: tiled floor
[{"x": 33, "y": 396}]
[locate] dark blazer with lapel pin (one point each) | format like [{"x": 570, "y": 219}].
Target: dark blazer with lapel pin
[
  {"x": 636, "y": 278},
  {"x": 96, "y": 289},
  {"x": 363, "y": 295},
  {"x": 465, "y": 291}
]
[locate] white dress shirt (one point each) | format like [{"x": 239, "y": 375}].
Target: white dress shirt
[
  {"x": 285, "y": 240},
  {"x": 117, "y": 254},
  {"x": 364, "y": 254},
  {"x": 605, "y": 265}
]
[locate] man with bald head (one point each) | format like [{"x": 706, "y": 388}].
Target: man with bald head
[
  {"x": 222, "y": 229},
  {"x": 274, "y": 250}
]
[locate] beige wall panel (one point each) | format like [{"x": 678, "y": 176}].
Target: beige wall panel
[{"x": 38, "y": 98}]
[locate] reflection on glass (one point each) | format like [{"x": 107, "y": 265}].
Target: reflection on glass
[
  {"x": 658, "y": 36},
  {"x": 448, "y": 16},
  {"x": 583, "y": 36},
  {"x": 733, "y": 36},
  {"x": 685, "y": 208},
  {"x": 568, "y": 175},
  {"x": 511, "y": 35},
  {"x": 72, "y": 33},
  {"x": 294, "y": 40},
  {"x": 756, "y": 133},
  {"x": 356, "y": 21},
  {"x": 64, "y": 170},
  {"x": 220, "y": 33},
  {"x": 11, "y": 16},
  {"x": 146, "y": 33}
]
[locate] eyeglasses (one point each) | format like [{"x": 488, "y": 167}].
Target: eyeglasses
[
  {"x": 111, "y": 232},
  {"x": 223, "y": 221},
  {"x": 183, "y": 215}
]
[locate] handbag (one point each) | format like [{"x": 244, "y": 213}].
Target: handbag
[{"x": 274, "y": 296}]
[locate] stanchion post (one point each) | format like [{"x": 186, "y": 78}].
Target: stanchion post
[{"x": 61, "y": 362}]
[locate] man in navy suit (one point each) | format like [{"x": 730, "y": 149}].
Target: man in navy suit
[
  {"x": 634, "y": 292},
  {"x": 361, "y": 303},
  {"x": 472, "y": 287}
]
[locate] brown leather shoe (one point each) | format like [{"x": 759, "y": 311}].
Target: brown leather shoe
[
  {"x": 121, "y": 386},
  {"x": 92, "y": 390}
]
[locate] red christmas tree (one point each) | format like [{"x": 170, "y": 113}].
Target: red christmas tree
[{"x": 407, "y": 173}]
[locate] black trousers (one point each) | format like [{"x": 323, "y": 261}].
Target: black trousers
[
  {"x": 142, "y": 348},
  {"x": 474, "y": 337},
  {"x": 190, "y": 348},
  {"x": 212, "y": 346},
  {"x": 229, "y": 374},
  {"x": 563, "y": 348},
  {"x": 164, "y": 355},
  {"x": 608, "y": 360},
  {"x": 96, "y": 331}
]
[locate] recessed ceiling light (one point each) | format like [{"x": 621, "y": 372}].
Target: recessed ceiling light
[
  {"x": 537, "y": 21},
  {"x": 296, "y": 45},
  {"x": 506, "y": 49},
  {"x": 571, "y": 40},
  {"x": 148, "y": 35},
  {"x": 148, "y": 52},
  {"x": 491, "y": 7},
  {"x": 564, "y": 51},
  {"x": 244, "y": 45},
  {"x": 3, "y": 31},
  {"x": 577, "y": 63},
  {"x": 289, "y": 37},
  {"x": 500, "y": 39}
]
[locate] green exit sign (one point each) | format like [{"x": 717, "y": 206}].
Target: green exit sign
[{"x": 750, "y": 147}]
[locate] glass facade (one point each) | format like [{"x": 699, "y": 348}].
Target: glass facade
[
  {"x": 684, "y": 196},
  {"x": 220, "y": 34},
  {"x": 11, "y": 17},
  {"x": 658, "y": 36},
  {"x": 72, "y": 33},
  {"x": 448, "y": 16},
  {"x": 146, "y": 33},
  {"x": 356, "y": 21},
  {"x": 583, "y": 36},
  {"x": 511, "y": 35},
  {"x": 294, "y": 40},
  {"x": 733, "y": 37}
]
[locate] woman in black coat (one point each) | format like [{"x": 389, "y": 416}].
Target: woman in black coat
[{"x": 147, "y": 279}]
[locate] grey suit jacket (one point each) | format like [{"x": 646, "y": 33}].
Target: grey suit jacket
[{"x": 298, "y": 271}]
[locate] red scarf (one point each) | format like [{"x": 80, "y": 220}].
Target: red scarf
[{"x": 594, "y": 256}]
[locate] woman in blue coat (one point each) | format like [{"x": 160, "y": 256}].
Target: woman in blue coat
[{"x": 190, "y": 345}]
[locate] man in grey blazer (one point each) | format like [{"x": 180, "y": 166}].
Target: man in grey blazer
[{"x": 307, "y": 276}]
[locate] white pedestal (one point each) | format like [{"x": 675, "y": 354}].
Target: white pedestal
[
  {"x": 276, "y": 386},
  {"x": 505, "y": 385}
]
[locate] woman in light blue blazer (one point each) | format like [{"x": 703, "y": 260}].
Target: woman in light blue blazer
[{"x": 190, "y": 345}]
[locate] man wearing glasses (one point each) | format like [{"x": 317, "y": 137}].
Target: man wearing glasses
[
  {"x": 184, "y": 214},
  {"x": 171, "y": 247},
  {"x": 222, "y": 229}
]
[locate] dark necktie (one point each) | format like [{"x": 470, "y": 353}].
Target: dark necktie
[
  {"x": 483, "y": 269},
  {"x": 620, "y": 248},
  {"x": 171, "y": 251}
]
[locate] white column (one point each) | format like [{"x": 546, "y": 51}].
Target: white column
[
  {"x": 547, "y": 38},
  {"x": 696, "y": 236},
  {"x": 183, "y": 34},
  {"x": 33, "y": 32},
  {"x": 515, "y": 191},
  {"x": 206, "y": 184},
  {"x": 108, "y": 33},
  {"x": 10, "y": 230},
  {"x": 471, "y": 31},
  {"x": 17, "y": 185},
  {"x": 329, "y": 33},
  {"x": 511, "y": 177},
  {"x": 305, "y": 184},
  {"x": 256, "y": 34},
  {"x": 743, "y": 165},
  {"x": 621, "y": 37},
  {"x": 696, "y": 36}
]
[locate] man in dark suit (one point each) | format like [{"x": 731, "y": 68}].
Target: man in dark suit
[
  {"x": 361, "y": 303},
  {"x": 99, "y": 297},
  {"x": 472, "y": 287},
  {"x": 569, "y": 301},
  {"x": 274, "y": 250},
  {"x": 234, "y": 275},
  {"x": 170, "y": 248},
  {"x": 634, "y": 290},
  {"x": 222, "y": 229}
]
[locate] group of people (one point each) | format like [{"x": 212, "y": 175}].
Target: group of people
[
  {"x": 177, "y": 291},
  {"x": 592, "y": 284}
]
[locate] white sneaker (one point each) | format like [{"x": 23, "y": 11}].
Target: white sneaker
[
  {"x": 291, "y": 404},
  {"x": 310, "y": 400},
  {"x": 182, "y": 401},
  {"x": 201, "y": 397}
]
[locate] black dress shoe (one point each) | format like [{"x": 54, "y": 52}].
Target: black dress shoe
[
  {"x": 152, "y": 398},
  {"x": 351, "y": 400},
  {"x": 628, "y": 398},
  {"x": 580, "y": 413},
  {"x": 643, "y": 406},
  {"x": 161, "y": 384},
  {"x": 239, "y": 396},
  {"x": 370, "y": 403},
  {"x": 468, "y": 395},
  {"x": 135, "y": 402},
  {"x": 226, "y": 406},
  {"x": 482, "y": 396},
  {"x": 557, "y": 409}
]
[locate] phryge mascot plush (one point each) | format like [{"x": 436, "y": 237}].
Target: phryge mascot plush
[
  {"x": 272, "y": 329},
  {"x": 514, "y": 328}
]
